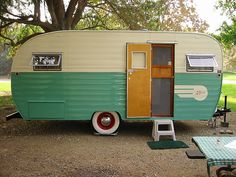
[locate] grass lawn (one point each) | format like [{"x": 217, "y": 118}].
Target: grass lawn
[
  {"x": 5, "y": 86},
  {"x": 5, "y": 101},
  {"x": 229, "y": 90},
  {"x": 230, "y": 76}
]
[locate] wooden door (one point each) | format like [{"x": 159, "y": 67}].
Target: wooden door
[{"x": 138, "y": 80}]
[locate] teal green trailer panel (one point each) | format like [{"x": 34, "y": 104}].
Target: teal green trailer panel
[
  {"x": 190, "y": 108},
  {"x": 76, "y": 96},
  {"x": 70, "y": 96}
]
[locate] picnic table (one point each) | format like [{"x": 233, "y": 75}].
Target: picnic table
[{"x": 217, "y": 150}]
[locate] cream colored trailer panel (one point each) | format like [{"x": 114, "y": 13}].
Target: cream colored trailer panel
[{"x": 105, "y": 51}]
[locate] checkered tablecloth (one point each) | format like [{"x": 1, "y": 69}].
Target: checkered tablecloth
[{"x": 215, "y": 151}]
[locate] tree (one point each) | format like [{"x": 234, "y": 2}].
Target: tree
[
  {"x": 228, "y": 31},
  {"x": 227, "y": 34},
  {"x": 181, "y": 15},
  {"x": 52, "y": 15},
  {"x": 23, "y": 19},
  {"x": 228, "y": 7},
  {"x": 230, "y": 58},
  {"x": 29, "y": 13}
]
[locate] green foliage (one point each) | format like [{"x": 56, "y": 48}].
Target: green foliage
[
  {"x": 228, "y": 7},
  {"x": 16, "y": 33},
  {"x": 20, "y": 20},
  {"x": 122, "y": 14},
  {"x": 227, "y": 35}
]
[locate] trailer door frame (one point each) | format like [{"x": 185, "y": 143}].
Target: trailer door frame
[{"x": 162, "y": 80}]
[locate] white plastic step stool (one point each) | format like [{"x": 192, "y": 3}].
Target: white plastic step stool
[{"x": 156, "y": 132}]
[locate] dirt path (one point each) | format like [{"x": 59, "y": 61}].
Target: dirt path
[{"x": 69, "y": 149}]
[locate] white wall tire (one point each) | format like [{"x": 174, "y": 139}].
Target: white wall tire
[{"x": 105, "y": 122}]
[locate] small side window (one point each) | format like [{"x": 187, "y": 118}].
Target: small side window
[
  {"x": 139, "y": 60},
  {"x": 46, "y": 62},
  {"x": 200, "y": 63}
]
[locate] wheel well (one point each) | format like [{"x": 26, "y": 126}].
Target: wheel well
[{"x": 107, "y": 111}]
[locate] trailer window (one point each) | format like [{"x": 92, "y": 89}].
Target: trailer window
[
  {"x": 43, "y": 62},
  {"x": 200, "y": 63},
  {"x": 139, "y": 60}
]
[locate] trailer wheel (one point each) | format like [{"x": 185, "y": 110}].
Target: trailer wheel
[{"x": 105, "y": 122}]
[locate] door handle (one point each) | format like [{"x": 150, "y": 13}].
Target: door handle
[{"x": 130, "y": 71}]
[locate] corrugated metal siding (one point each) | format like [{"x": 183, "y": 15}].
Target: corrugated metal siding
[
  {"x": 76, "y": 96},
  {"x": 191, "y": 109},
  {"x": 82, "y": 93},
  {"x": 105, "y": 51}
]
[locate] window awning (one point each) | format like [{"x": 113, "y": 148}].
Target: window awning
[{"x": 198, "y": 60}]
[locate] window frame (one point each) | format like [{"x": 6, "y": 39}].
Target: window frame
[
  {"x": 47, "y": 67},
  {"x": 132, "y": 63},
  {"x": 199, "y": 68}
]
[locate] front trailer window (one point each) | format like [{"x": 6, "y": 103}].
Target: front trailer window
[{"x": 46, "y": 62}]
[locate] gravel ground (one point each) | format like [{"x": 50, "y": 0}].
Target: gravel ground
[{"x": 69, "y": 149}]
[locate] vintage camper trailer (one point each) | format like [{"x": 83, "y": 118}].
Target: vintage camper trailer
[{"x": 108, "y": 76}]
